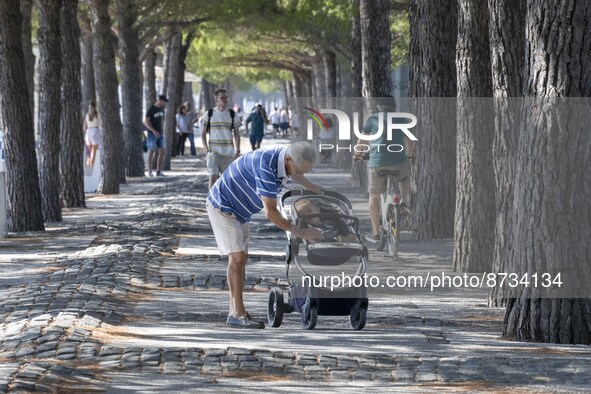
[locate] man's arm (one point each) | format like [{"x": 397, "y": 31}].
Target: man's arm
[
  {"x": 148, "y": 124},
  {"x": 270, "y": 206},
  {"x": 302, "y": 180},
  {"x": 248, "y": 120},
  {"x": 237, "y": 141},
  {"x": 204, "y": 137}
]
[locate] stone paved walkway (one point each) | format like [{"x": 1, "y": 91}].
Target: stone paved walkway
[{"x": 129, "y": 295}]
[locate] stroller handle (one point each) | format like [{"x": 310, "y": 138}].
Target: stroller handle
[{"x": 301, "y": 192}]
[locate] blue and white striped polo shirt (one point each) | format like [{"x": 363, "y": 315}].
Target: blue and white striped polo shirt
[{"x": 257, "y": 173}]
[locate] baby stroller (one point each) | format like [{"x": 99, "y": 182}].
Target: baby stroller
[{"x": 308, "y": 297}]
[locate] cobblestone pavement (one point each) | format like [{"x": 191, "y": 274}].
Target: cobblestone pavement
[{"x": 103, "y": 302}]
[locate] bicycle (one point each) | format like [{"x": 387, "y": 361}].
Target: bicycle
[{"x": 389, "y": 218}]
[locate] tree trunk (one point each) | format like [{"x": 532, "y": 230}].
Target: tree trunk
[
  {"x": 72, "y": 140},
  {"x": 285, "y": 89},
  {"x": 150, "y": 79},
  {"x": 344, "y": 81},
  {"x": 375, "y": 47},
  {"x": 166, "y": 66},
  {"x": 206, "y": 95},
  {"x": 105, "y": 77},
  {"x": 375, "y": 62},
  {"x": 330, "y": 72},
  {"x": 356, "y": 66},
  {"x": 507, "y": 46},
  {"x": 552, "y": 208},
  {"x": 131, "y": 87},
  {"x": 433, "y": 74},
  {"x": 173, "y": 68},
  {"x": 188, "y": 95},
  {"x": 88, "y": 87},
  {"x": 475, "y": 193},
  {"x": 22, "y": 182},
  {"x": 358, "y": 168},
  {"x": 48, "y": 36},
  {"x": 318, "y": 73},
  {"x": 26, "y": 7},
  {"x": 183, "y": 67}
]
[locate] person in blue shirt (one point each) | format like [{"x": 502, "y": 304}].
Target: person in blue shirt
[
  {"x": 250, "y": 184},
  {"x": 382, "y": 158},
  {"x": 257, "y": 130}
]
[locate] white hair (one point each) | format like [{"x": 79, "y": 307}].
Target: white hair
[{"x": 301, "y": 151}]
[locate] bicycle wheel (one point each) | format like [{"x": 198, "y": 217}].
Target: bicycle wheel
[
  {"x": 393, "y": 232},
  {"x": 382, "y": 242}
]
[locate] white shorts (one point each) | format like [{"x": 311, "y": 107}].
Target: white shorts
[
  {"x": 93, "y": 136},
  {"x": 217, "y": 164},
  {"x": 231, "y": 236}
]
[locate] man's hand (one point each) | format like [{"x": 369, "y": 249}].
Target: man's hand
[
  {"x": 156, "y": 134},
  {"x": 357, "y": 157},
  {"x": 311, "y": 234},
  {"x": 237, "y": 154}
]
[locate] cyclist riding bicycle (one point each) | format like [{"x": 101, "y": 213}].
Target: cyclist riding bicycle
[{"x": 382, "y": 158}]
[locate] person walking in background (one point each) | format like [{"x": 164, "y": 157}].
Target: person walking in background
[
  {"x": 252, "y": 183},
  {"x": 153, "y": 121},
  {"x": 92, "y": 133},
  {"x": 257, "y": 131},
  {"x": 182, "y": 129},
  {"x": 327, "y": 138},
  {"x": 275, "y": 118},
  {"x": 284, "y": 122},
  {"x": 192, "y": 118},
  {"x": 223, "y": 126}
]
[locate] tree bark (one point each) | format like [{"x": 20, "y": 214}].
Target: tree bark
[
  {"x": 166, "y": 64},
  {"x": 356, "y": 67},
  {"x": 206, "y": 95},
  {"x": 433, "y": 74},
  {"x": 105, "y": 78},
  {"x": 375, "y": 63},
  {"x": 72, "y": 140},
  {"x": 88, "y": 87},
  {"x": 26, "y": 7},
  {"x": 475, "y": 193},
  {"x": 330, "y": 72},
  {"x": 131, "y": 87},
  {"x": 173, "y": 68},
  {"x": 507, "y": 46},
  {"x": 318, "y": 73},
  {"x": 285, "y": 88},
  {"x": 358, "y": 168},
  {"x": 150, "y": 79},
  {"x": 375, "y": 47},
  {"x": 49, "y": 108},
  {"x": 24, "y": 195},
  {"x": 552, "y": 204}
]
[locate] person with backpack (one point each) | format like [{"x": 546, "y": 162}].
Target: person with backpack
[{"x": 223, "y": 126}]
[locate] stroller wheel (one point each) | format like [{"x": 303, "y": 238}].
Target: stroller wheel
[
  {"x": 358, "y": 316},
  {"x": 310, "y": 315},
  {"x": 275, "y": 307}
]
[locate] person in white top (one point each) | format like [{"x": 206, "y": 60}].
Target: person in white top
[
  {"x": 284, "y": 122},
  {"x": 223, "y": 126},
  {"x": 92, "y": 133},
  {"x": 275, "y": 118}
]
